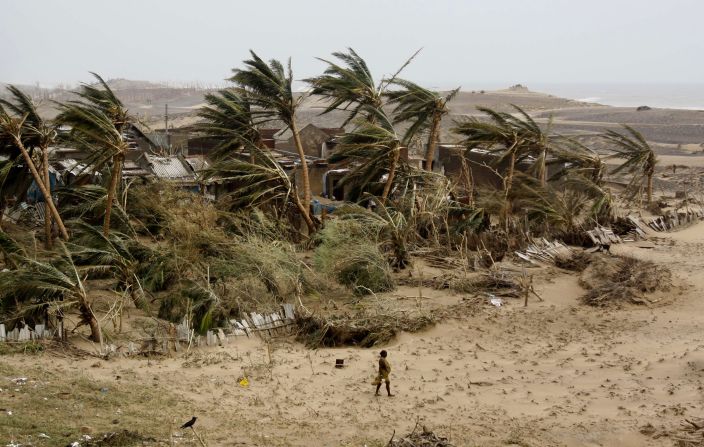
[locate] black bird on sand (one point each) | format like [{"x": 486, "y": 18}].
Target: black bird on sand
[{"x": 189, "y": 423}]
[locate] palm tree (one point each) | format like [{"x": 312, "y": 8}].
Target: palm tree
[
  {"x": 516, "y": 137},
  {"x": 577, "y": 158},
  {"x": 38, "y": 134},
  {"x": 500, "y": 137},
  {"x": 44, "y": 284},
  {"x": 377, "y": 149},
  {"x": 423, "y": 109},
  {"x": 640, "y": 159},
  {"x": 349, "y": 84},
  {"x": 561, "y": 206},
  {"x": 14, "y": 129},
  {"x": 112, "y": 253},
  {"x": 257, "y": 182},
  {"x": 97, "y": 122},
  {"x": 268, "y": 88},
  {"x": 228, "y": 118}
]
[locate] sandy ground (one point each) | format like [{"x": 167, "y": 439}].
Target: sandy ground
[{"x": 553, "y": 374}]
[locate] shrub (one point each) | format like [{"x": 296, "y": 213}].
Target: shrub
[{"x": 348, "y": 253}]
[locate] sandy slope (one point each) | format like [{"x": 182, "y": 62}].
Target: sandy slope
[{"x": 553, "y": 374}]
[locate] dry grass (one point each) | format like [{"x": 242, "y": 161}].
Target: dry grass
[
  {"x": 494, "y": 280},
  {"x": 55, "y": 408},
  {"x": 362, "y": 329},
  {"x": 420, "y": 438},
  {"x": 616, "y": 280}
]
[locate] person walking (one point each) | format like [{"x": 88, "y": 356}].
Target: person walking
[{"x": 384, "y": 371}]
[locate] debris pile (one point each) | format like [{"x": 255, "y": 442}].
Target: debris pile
[
  {"x": 361, "y": 329},
  {"x": 603, "y": 236},
  {"x": 494, "y": 280},
  {"x": 690, "y": 434},
  {"x": 577, "y": 261},
  {"x": 114, "y": 439},
  {"x": 544, "y": 251},
  {"x": 424, "y": 438},
  {"x": 617, "y": 280},
  {"x": 671, "y": 220}
]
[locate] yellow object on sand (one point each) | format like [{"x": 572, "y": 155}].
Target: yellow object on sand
[{"x": 244, "y": 382}]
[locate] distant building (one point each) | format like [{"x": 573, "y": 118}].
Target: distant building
[{"x": 317, "y": 141}]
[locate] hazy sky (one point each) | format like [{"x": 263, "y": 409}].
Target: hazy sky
[{"x": 469, "y": 43}]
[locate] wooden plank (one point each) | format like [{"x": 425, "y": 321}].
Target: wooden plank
[
  {"x": 222, "y": 337},
  {"x": 3, "y": 333}
]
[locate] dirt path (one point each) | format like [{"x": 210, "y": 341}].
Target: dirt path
[{"x": 553, "y": 374}]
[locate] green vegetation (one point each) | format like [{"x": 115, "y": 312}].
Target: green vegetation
[{"x": 173, "y": 253}]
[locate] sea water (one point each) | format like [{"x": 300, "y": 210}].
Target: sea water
[{"x": 675, "y": 96}]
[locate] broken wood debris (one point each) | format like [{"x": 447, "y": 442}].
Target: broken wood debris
[
  {"x": 668, "y": 221},
  {"x": 603, "y": 236},
  {"x": 544, "y": 251}
]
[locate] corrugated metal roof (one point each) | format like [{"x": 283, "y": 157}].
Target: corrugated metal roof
[
  {"x": 169, "y": 168},
  {"x": 73, "y": 166},
  {"x": 197, "y": 163}
]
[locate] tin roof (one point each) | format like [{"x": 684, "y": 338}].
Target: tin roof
[
  {"x": 170, "y": 168},
  {"x": 197, "y": 163},
  {"x": 73, "y": 166}
]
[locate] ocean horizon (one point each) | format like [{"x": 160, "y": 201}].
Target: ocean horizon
[{"x": 671, "y": 96}]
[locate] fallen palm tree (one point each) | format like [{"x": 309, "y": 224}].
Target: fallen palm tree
[{"x": 618, "y": 280}]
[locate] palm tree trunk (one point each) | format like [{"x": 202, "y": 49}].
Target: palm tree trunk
[
  {"x": 432, "y": 142},
  {"x": 40, "y": 183},
  {"x": 47, "y": 181},
  {"x": 96, "y": 334},
  {"x": 650, "y": 188},
  {"x": 392, "y": 172},
  {"x": 543, "y": 168},
  {"x": 304, "y": 169},
  {"x": 112, "y": 190},
  {"x": 508, "y": 183},
  {"x": 468, "y": 181},
  {"x": 306, "y": 216}
]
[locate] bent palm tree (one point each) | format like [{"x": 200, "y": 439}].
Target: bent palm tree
[
  {"x": 99, "y": 253},
  {"x": 501, "y": 138},
  {"x": 37, "y": 134},
  {"x": 44, "y": 284},
  {"x": 228, "y": 118},
  {"x": 349, "y": 85},
  {"x": 640, "y": 159},
  {"x": 97, "y": 123},
  {"x": 257, "y": 183},
  {"x": 424, "y": 109},
  {"x": 13, "y": 127},
  {"x": 268, "y": 88},
  {"x": 377, "y": 150}
]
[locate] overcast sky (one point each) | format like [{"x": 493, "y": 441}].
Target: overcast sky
[{"x": 465, "y": 42}]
